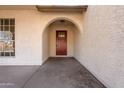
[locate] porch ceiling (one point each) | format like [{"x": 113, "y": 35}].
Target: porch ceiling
[{"x": 62, "y": 8}]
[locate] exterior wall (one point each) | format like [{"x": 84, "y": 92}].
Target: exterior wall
[
  {"x": 29, "y": 28},
  {"x": 70, "y": 39},
  {"x": 27, "y": 37},
  {"x": 101, "y": 47},
  {"x": 45, "y": 46},
  {"x": 78, "y": 44}
]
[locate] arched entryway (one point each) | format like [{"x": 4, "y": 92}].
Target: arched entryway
[{"x": 59, "y": 38}]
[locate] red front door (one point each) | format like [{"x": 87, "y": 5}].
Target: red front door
[{"x": 61, "y": 42}]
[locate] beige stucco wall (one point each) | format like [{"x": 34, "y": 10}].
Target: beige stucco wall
[
  {"x": 27, "y": 37},
  {"x": 45, "y": 45},
  {"x": 29, "y": 28},
  {"x": 101, "y": 47}
]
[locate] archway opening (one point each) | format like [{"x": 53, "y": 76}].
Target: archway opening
[{"x": 57, "y": 44}]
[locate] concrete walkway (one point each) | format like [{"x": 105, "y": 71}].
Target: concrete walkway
[{"x": 54, "y": 73}]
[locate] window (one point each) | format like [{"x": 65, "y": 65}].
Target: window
[
  {"x": 61, "y": 34},
  {"x": 7, "y": 37}
]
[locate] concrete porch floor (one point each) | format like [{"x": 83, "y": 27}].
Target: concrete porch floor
[{"x": 54, "y": 73}]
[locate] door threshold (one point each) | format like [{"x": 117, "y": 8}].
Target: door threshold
[{"x": 61, "y": 56}]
